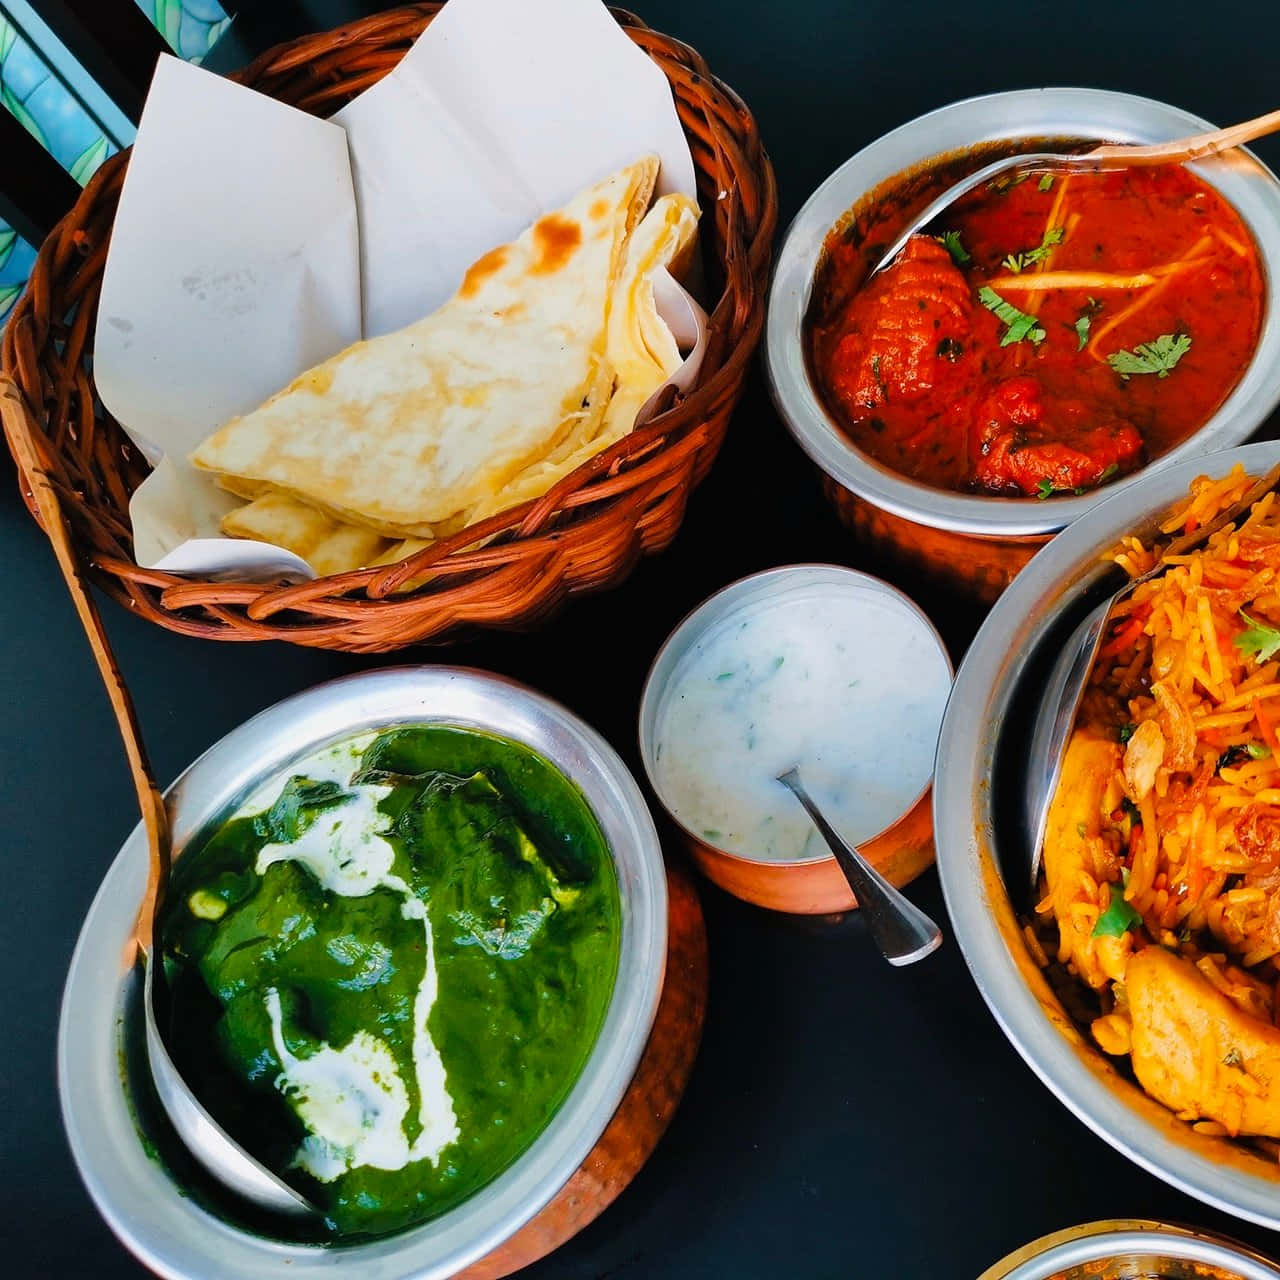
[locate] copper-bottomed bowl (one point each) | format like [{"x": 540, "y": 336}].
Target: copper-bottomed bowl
[
  {"x": 975, "y": 542},
  {"x": 983, "y": 846},
  {"x": 184, "y": 1226},
  {"x": 803, "y": 886}
]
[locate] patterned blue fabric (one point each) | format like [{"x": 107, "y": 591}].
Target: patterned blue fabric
[
  {"x": 49, "y": 110},
  {"x": 191, "y": 27},
  {"x": 17, "y": 258}
]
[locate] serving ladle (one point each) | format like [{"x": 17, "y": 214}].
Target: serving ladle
[
  {"x": 1071, "y": 670},
  {"x": 1110, "y": 156},
  {"x": 898, "y": 927},
  {"x": 211, "y": 1145}
]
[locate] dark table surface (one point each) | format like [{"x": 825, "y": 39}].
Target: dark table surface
[{"x": 844, "y": 1118}]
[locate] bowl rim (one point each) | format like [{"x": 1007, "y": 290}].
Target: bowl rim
[
  {"x": 965, "y": 827},
  {"x": 755, "y": 589},
  {"x": 140, "y": 1199},
  {"x": 1049, "y": 1256},
  {"x": 1244, "y": 181}
]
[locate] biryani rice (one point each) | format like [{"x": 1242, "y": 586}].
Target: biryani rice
[{"x": 1177, "y": 736}]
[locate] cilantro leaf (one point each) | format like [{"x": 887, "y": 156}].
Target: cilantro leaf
[
  {"x": 1091, "y": 309},
  {"x": 1044, "y": 489},
  {"x": 950, "y": 241},
  {"x": 1045, "y": 182},
  {"x": 1020, "y": 325},
  {"x": 1126, "y": 731},
  {"x": 1118, "y": 918},
  {"x": 1158, "y": 356},
  {"x": 1258, "y": 639},
  {"x": 1016, "y": 262},
  {"x": 1007, "y": 181}
]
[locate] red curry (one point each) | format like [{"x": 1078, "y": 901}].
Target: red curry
[{"x": 1057, "y": 332}]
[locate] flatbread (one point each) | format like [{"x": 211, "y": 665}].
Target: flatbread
[
  {"x": 405, "y": 431},
  {"x": 640, "y": 349},
  {"x": 640, "y": 354}
]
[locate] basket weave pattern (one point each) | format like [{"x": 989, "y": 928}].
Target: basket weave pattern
[{"x": 584, "y": 534}]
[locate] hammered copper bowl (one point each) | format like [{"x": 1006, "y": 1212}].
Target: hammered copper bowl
[
  {"x": 982, "y": 844},
  {"x": 176, "y": 1222},
  {"x": 971, "y": 541},
  {"x": 804, "y": 886}
]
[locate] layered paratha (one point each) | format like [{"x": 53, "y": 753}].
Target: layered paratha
[
  {"x": 401, "y": 432},
  {"x": 543, "y": 358}
]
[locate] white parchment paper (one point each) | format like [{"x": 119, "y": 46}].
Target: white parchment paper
[{"x": 253, "y": 241}]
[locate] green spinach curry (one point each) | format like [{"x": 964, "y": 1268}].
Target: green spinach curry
[{"x": 389, "y": 969}]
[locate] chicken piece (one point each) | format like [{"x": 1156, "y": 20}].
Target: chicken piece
[
  {"x": 1196, "y": 1051},
  {"x": 1023, "y": 446},
  {"x": 1078, "y": 861},
  {"x": 905, "y": 333},
  {"x": 1259, "y": 545},
  {"x": 1258, "y": 836},
  {"x": 1143, "y": 757},
  {"x": 1177, "y": 725}
]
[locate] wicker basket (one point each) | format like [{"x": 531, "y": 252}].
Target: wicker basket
[{"x": 585, "y": 533}]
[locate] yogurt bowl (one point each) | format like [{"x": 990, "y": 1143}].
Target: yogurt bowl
[
  {"x": 812, "y": 665},
  {"x": 177, "y": 1222}
]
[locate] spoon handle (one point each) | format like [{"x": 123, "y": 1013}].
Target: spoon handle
[
  {"x": 900, "y": 929},
  {"x": 1194, "y": 148},
  {"x": 48, "y": 509}
]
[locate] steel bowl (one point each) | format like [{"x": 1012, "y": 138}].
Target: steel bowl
[
  {"x": 804, "y": 886},
  {"x": 984, "y": 541},
  {"x": 1124, "y": 1249},
  {"x": 982, "y": 843},
  {"x": 160, "y": 1215}
]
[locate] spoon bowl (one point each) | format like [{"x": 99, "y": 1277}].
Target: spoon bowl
[
  {"x": 201, "y": 1134},
  {"x": 900, "y": 929}
]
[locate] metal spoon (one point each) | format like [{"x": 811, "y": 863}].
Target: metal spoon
[
  {"x": 1070, "y": 676},
  {"x": 1110, "y": 156},
  {"x": 900, "y": 929},
  {"x": 220, "y": 1154}
]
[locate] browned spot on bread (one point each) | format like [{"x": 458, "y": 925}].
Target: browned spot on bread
[
  {"x": 480, "y": 270},
  {"x": 554, "y": 238}
]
